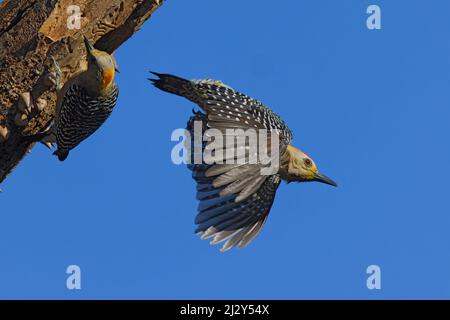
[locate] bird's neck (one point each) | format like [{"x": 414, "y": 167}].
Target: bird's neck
[{"x": 283, "y": 171}]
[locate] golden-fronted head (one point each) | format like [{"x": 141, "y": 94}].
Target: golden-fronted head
[
  {"x": 101, "y": 64},
  {"x": 299, "y": 167}
]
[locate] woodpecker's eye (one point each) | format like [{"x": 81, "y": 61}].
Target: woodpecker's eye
[{"x": 308, "y": 163}]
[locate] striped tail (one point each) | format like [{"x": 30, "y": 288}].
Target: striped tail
[
  {"x": 62, "y": 154},
  {"x": 173, "y": 84}
]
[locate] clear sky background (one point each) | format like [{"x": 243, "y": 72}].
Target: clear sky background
[{"x": 371, "y": 107}]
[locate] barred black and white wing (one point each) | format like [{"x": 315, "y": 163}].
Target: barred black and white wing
[
  {"x": 222, "y": 216},
  {"x": 80, "y": 115},
  {"x": 225, "y": 107},
  {"x": 235, "y": 199}
]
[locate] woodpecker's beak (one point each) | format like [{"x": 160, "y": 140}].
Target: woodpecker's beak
[
  {"x": 324, "y": 179},
  {"x": 89, "y": 46}
]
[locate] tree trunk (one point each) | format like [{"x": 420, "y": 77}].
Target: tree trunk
[{"x": 31, "y": 31}]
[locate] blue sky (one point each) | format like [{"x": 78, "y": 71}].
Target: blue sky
[{"x": 371, "y": 108}]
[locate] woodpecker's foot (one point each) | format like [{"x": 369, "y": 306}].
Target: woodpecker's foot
[
  {"x": 47, "y": 138},
  {"x": 54, "y": 77},
  {"x": 49, "y": 141}
]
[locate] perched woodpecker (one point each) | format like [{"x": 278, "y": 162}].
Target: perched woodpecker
[
  {"x": 235, "y": 199},
  {"x": 84, "y": 102}
]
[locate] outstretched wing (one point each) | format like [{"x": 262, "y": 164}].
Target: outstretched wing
[
  {"x": 221, "y": 215},
  {"x": 235, "y": 199}
]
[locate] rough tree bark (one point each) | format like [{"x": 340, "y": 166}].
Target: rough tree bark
[{"x": 33, "y": 30}]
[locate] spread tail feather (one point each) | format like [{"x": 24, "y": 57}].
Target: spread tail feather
[{"x": 172, "y": 84}]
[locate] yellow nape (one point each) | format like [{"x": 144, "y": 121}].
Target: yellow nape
[
  {"x": 297, "y": 150},
  {"x": 108, "y": 77},
  {"x": 291, "y": 148}
]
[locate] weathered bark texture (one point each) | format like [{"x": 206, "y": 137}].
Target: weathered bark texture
[{"x": 33, "y": 30}]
